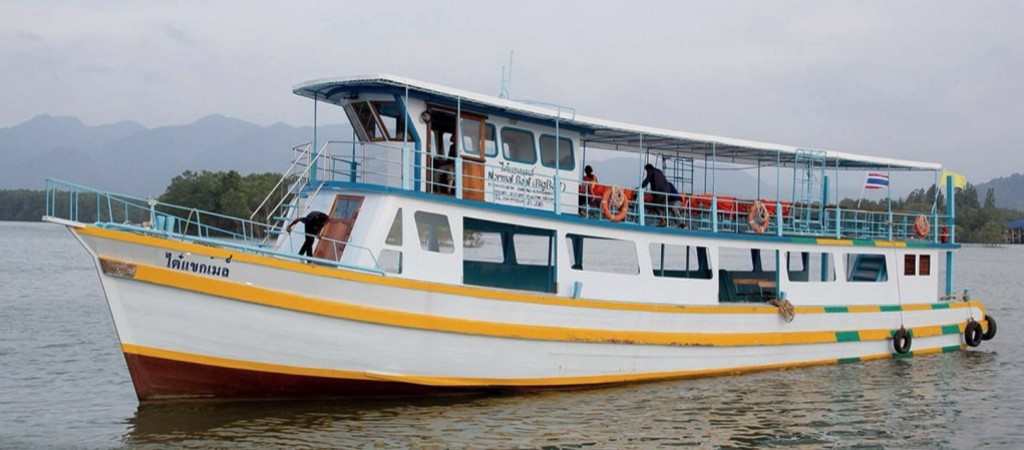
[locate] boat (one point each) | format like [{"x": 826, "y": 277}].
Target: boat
[{"x": 464, "y": 251}]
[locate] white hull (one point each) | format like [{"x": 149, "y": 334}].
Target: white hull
[{"x": 296, "y": 320}]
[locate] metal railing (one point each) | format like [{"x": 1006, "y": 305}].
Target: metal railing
[
  {"x": 394, "y": 166},
  {"x": 82, "y": 204}
]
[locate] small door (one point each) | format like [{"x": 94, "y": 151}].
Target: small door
[{"x": 338, "y": 229}]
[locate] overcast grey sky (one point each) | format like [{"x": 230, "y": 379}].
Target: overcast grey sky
[{"x": 916, "y": 80}]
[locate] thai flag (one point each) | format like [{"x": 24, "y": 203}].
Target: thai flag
[{"x": 876, "y": 180}]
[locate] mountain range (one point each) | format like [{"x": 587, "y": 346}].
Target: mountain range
[{"x": 131, "y": 158}]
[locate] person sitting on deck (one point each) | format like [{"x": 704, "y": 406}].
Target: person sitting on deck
[
  {"x": 587, "y": 199},
  {"x": 660, "y": 188},
  {"x": 314, "y": 222}
]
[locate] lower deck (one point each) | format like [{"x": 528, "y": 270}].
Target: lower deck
[{"x": 425, "y": 237}]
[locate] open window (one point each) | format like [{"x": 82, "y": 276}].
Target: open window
[
  {"x": 680, "y": 261},
  {"x": 508, "y": 256},
  {"x": 866, "y": 268},
  {"x": 336, "y": 232},
  {"x": 809, "y": 267},
  {"x": 378, "y": 120},
  {"x": 746, "y": 274},
  {"x": 443, "y": 150},
  {"x": 599, "y": 254}
]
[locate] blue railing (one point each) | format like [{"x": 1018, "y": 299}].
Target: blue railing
[
  {"x": 81, "y": 204},
  {"x": 392, "y": 166}
]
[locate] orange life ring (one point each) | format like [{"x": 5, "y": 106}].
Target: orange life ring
[
  {"x": 921, "y": 226},
  {"x": 758, "y": 217},
  {"x": 606, "y": 204}
]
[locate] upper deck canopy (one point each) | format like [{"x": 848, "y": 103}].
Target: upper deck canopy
[{"x": 600, "y": 132}]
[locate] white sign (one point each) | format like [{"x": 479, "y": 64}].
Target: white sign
[{"x": 510, "y": 184}]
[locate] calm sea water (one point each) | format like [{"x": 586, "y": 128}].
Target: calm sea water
[{"x": 63, "y": 383}]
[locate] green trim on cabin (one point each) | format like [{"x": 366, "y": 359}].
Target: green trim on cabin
[
  {"x": 940, "y": 305},
  {"x": 803, "y": 240},
  {"x": 951, "y": 329},
  {"x": 920, "y": 244},
  {"x": 865, "y": 243},
  {"x": 837, "y": 309},
  {"x": 847, "y": 336},
  {"x": 890, "y": 308}
]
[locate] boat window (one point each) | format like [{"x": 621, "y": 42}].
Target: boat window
[
  {"x": 484, "y": 246},
  {"x": 866, "y": 267},
  {"x": 746, "y": 274},
  {"x": 598, "y": 254},
  {"x": 924, "y": 266},
  {"x": 367, "y": 120},
  {"x": 534, "y": 250},
  {"x": 471, "y": 137},
  {"x": 490, "y": 140},
  {"x": 518, "y": 145},
  {"x": 507, "y": 256},
  {"x": 390, "y": 115},
  {"x": 909, "y": 265},
  {"x": 390, "y": 260},
  {"x": 811, "y": 267},
  {"x": 434, "y": 231},
  {"x": 566, "y": 161},
  {"x": 380, "y": 120},
  {"x": 395, "y": 233},
  {"x": 680, "y": 261}
]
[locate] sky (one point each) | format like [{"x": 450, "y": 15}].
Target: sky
[{"x": 932, "y": 81}]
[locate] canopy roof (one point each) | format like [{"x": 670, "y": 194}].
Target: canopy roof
[{"x": 604, "y": 133}]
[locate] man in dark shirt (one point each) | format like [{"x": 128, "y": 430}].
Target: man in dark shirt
[
  {"x": 314, "y": 222},
  {"x": 660, "y": 188}
]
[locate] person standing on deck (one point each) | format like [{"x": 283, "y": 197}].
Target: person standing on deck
[
  {"x": 586, "y": 191},
  {"x": 659, "y": 188},
  {"x": 314, "y": 222}
]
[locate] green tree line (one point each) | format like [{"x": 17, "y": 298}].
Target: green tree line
[{"x": 233, "y": 194}]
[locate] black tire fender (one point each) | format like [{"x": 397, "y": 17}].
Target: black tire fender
[
  {"x": 902, "y": 340},
  {"x": 972, "y": 333},
  {"x": 991, "y": 333}
]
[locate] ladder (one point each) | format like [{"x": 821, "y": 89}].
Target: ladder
[
  {"x": 679, "y": 171},
  {"x": 808, "y": 176}
]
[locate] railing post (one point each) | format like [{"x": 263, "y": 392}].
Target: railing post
[
  {"x": 951, "y": 212},
  {"x": 458, "y": 148},
  {"x": 839, "y": 222},
  {"x": 558, "y": 167},
  {"x": 641, "y": 210}
]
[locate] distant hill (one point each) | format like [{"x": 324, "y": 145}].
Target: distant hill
[
  {"x": 130, "y": 158},
  {"x": 1009, "y": 191}
]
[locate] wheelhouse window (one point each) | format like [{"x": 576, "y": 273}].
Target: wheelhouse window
[
  {"x": 597, "y": 254},
  {"x": 380, "y": 120},
  {"x": 680, "y": 261},
  {"x": 471, "y": 143},
  {"x": 434, "y": 232},
  {"x": 390, "y": 259},
  {"x": 490, "y": 140},
  {"x": 924, "y": 267},
  {"x": 566, "y": 161},
  {"x": 518, "y": 145}
]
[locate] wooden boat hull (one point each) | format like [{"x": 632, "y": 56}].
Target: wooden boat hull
[{"x": 223, "y": 324}]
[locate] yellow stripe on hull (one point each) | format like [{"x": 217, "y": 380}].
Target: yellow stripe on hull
[
  {"x": 378, "y": 316},
  {"x": 468, "y": 291}
]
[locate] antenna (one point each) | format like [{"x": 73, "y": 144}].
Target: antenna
[{"x": 506, "y": 78}]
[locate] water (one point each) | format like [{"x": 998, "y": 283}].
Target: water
[{"x": 63, "y": 383}]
